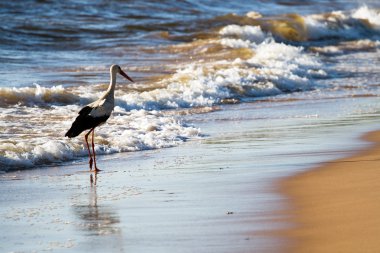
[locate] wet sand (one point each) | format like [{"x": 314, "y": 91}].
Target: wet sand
[
  {"x": 336, "y": 206},
  {"x": 175, "y": 200}
]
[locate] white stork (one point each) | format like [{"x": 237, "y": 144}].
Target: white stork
[{"x": 96, "y": 113}]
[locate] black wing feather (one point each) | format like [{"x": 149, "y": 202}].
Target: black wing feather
[
  {"x": 84, "y": 121},
  {"x": 85, "y": 110}
]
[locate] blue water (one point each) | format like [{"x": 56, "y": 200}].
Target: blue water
[{"x": 39, "y": 39}]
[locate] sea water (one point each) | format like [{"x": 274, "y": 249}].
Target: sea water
[{"x": 187, "y": 58}]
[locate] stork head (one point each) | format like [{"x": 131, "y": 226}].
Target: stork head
[{"x": 116, "y": 69}]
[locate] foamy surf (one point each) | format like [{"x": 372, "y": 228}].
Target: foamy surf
[
  {"x": 252, "y": 57},
  {"x": 355, "y": 24},
  {"x": 273, "y": 69},
  {"x": 42, "y": 143}
]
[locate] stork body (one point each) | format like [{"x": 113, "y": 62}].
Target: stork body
[{"x": 96, "y": 114}]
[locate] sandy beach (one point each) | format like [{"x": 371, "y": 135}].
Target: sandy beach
[{"x": 336, "y": 206}]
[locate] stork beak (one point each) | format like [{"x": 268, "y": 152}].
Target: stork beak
[{"x": 126, "y": 76}]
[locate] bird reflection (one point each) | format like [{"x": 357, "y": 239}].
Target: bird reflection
[
  {"x": 93, "y": 179},
  {"x": 97, "y": 219}
]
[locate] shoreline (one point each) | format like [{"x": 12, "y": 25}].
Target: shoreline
[
  {"x": 335, "y": 206},
  {"x": 186, "y": 198}
]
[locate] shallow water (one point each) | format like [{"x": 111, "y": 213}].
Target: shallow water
[{"x": 187, "y": 57}]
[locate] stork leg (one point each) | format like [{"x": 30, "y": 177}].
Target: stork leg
[
  {"x": 93, "y": 150},
  {"x": 88, "y": 148}
]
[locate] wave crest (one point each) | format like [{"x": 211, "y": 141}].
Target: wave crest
[
  {"x": 38, "y": 95},
  {"x": 126, "y": 131}
]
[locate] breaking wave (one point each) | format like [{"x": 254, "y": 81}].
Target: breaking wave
[{"x": 41, "y": 140}]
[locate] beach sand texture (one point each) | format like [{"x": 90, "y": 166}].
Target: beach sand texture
[{"x": 337, "y": 206}]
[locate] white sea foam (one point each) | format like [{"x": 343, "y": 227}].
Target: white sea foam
[
  {"x": 274, "y": 68},
  {"x": 371, "y": 15},
  {"x": 38, "y": 95},
  {"x": 344, "y": 25},
  {"x": 236, "y": 43},
  {"x": 235, "y": 36},
  {"x": 42, "y": 142},
  {"x": 250, "y": 33}
]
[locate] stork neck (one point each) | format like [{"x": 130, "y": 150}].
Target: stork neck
[{"x": 111, "y": 87}]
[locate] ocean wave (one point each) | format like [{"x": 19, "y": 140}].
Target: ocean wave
[
  {"x": 38, "y": 95},
  {"x": 253, "y": 60},
  {"x": 253, "y": 34},
  {"x": 359, "y": 23},
  {"x": 249, "y": 60},
  {"x": 370, "y": 16},
  {"x": 246, "y": 60},
  {"x": 347, "y": 47},
  {"x": 263, "y": 68},
  {"x": 42, "y": 142}
]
